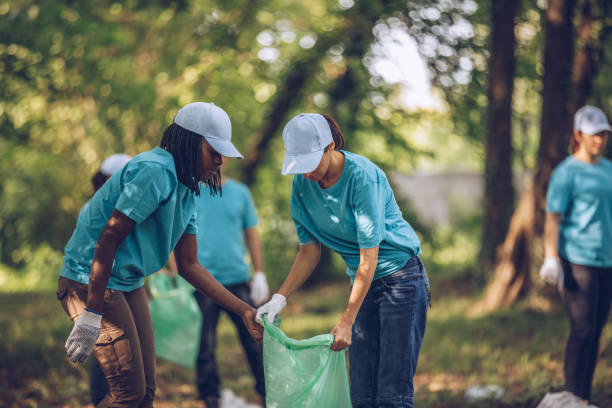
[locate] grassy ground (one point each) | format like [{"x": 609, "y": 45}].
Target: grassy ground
[{"x": 519, "y": 349}]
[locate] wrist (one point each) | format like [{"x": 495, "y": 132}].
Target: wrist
[
  {"x": 347, "y": 319},
  {"x": 91, "y": 317},
  {"x": 552, "y": 260},
  {"x": 245, "y": 310},
  {"x": 279, "y": 297}
]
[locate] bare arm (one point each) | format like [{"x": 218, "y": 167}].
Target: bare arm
[
  {"x": 305, "y": 262},
  {"x": 551, "y": 235},
  {"x": 114, "y": 232},
  {"x": 186, "y": 256},
  {"x": 253, "y": 243},
  {"x": 368, "y": 259}
]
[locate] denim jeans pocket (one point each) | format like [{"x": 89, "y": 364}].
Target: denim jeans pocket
[{"x": 401, "y": 292}]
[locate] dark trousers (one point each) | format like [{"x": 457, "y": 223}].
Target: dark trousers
[
  {"x": 98, "y": 386},
  {"x": 587, "y": 294},
  {"x": 207, "y": 377}
]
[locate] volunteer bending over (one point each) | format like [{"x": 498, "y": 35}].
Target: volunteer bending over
[
  {"x": 127, "y": 232},
  {"x": 578, "y": 244},
  {"x": 345, "y": 202}
]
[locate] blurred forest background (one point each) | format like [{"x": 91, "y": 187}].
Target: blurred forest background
[{"x": 421, "y": 87}]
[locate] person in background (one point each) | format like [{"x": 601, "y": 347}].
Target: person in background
[
  {"x": 344, "y": 201},
  {"x": 98, "y": 387},
  {"x": 578, "y": 246},
  {"x": 126, "y": 232},
  {"x": 225, "y": 224}
]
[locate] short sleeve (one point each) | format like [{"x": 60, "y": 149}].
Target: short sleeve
[
  {"x": 368, "y": 202},
  {"x": 145, "y": 186},
  {"x": 249, "y": 215},
  {"x": 192, "y": 226},
  {"x": 298, "y": 215},
  {"x": 559, "y": 191}
]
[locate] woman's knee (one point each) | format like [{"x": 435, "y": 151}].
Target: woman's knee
[
  {"x": 128, "y": 394},
  {"x": 584, "y": 330}
]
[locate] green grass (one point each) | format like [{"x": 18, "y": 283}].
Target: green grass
[{"x": 520, "y": 349}]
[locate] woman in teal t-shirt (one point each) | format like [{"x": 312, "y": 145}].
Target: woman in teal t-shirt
[
  {"x": 578, "y": 244},
  {"x": 126, "y": 232},
  {"x": 343, "y": 201}
]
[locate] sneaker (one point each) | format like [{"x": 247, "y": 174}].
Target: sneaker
[{"x": 563, "y": 399}]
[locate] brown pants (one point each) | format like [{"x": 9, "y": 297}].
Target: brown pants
[{"x": 125, "y": 349}]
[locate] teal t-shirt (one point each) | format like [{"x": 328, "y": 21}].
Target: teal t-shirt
[
  {"x": 359, "y": 211},
  {"x": 147, "y": 191},
  {"x": 221, "y": 221},
  {"x": 582, "y": 194}
]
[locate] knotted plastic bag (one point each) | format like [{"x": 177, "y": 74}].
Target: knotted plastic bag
[
  {"x": 303, "y": 373},
  {"x": 177, "y": 320}
]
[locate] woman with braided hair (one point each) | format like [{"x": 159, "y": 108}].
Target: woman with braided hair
[{"x": 126, "y": 232}]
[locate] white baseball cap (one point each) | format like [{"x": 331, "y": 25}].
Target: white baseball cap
[
  {"x": 590, "y": 120},
  {"x": 305, "y": 136},
  {"x": 114, "y": 163},
  {"x": 208, "y": 120}
]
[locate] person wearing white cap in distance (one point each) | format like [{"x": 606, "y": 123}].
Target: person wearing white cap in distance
[
  {"x": 344, "y": 201},
  {"x": 126, "y": 232},
  {"x": 578, "y": 244},
  {"x": 226, "y": 230}
]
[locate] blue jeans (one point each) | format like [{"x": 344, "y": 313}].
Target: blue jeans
[{"x": 387, "y": 337}]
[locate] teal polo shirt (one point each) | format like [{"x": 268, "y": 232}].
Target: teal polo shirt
[
  {"x": 582, "y": 194},
  {"x": 221, "y": 221},
  {"x": 358, "y": 212},
  {"x": 148, "y": 192}
]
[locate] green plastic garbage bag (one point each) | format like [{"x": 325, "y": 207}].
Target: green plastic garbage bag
[
  {"x": 303, "y": 373},
  {"x": 177, "y": 320}
]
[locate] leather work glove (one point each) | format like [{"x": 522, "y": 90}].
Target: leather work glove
[
  {"x": 552, "y": 271},
  {"x": 272, "y": 308},
  {"x": 83, "y": 336},
  {"x": 259, "y": 288}
]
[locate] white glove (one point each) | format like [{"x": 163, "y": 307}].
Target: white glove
[
  {"x": 83, "y": 336},
  {"x": 272, "y": 308},
  {"x": 259, "y": 288},
  {"x": 552, "y": 271}
]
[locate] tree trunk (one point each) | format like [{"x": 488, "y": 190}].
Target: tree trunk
[
  {"x": 584, "y": 59},
  {"x": 499, "y": 191},
  {"x": 511, "y": 277}
]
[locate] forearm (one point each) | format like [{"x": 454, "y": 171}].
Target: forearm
[
  {"x": 551, "y": 234},
  {"x": 361, "y": 285},
  {"x": 255, "y": 250},
  {"x": 114, "y": 232},
  {"x": 203, "y": 281},
  {"x": 304, "y": 264},
  {"x": 99, "y": 275}
]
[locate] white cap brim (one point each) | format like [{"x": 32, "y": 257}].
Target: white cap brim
[
  {"x": 592, "y": 130},
  {"x": 303, "y": 163},
  {"x": 223, "y": 147}
]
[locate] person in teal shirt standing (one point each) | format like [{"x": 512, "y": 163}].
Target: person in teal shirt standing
[
  {"x": 578, "y": 245},
  {"x": 344, "y": 201},
  {"x": 225, "y": 224},
  {"x": 126, "y": 232}
]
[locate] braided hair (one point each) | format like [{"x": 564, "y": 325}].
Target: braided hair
[{"x": 186, "y": 149}]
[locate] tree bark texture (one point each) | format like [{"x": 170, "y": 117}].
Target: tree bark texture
[
  {"x": 499, "y": 191},
  {"x": 511, "y": 277}
]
